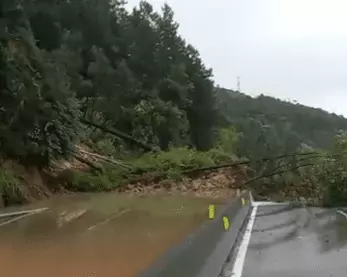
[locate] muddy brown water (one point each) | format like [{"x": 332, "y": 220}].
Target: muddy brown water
[{"x": 98, "y": 235}]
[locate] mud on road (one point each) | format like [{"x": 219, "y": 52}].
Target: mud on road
[{"x": 97, "y": 235}]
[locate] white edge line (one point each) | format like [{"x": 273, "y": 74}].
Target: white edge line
[
  {"x": 266, "y": 203},
  {"x": 14, "y": 219},
  {"x": 242, "y": 251},
  {"x": 342, "y": 213},
  {"x": 21, "y": 217},
  {"x": 2, "y": 215}
]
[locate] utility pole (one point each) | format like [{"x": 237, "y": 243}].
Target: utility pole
[{"x": 238, "y": 84}]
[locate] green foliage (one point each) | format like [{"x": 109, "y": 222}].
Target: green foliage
[
  {"x": 220, "y": 156},
  {"x": 269, "y": 126},
  {"x": 226, "y": 146},
  {"x": 227, "y": 140},
  {"x": 320, "y": 177},
  {"x": 10, "y": 192},
  {"x": 340, "y": 144},
  {"x": 333, "y": 178},
  {"x": 39, "y": 114},
  {"x": 332, "y": 173},
  {"x": 106, "y": 146},
  {"x": 175, "y": 159},
  {"x": 132, "y": 71},
  {"x": 168, "y": 164},
  {"x": 88, "y": 182}
]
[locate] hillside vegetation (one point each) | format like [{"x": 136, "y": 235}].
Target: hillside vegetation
[
  {"x": 275, "y": 126},
  {"x": 122, "y": 93}
]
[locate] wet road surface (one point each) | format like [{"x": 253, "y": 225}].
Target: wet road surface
[
  {"x": 99, "y": 235},
  {"x": 297, "y": 243}
]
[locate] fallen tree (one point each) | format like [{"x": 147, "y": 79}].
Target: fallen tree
[{"x": 121, "y": 135}]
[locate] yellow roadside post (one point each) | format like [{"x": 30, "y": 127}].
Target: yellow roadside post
[
  {"x": 211, "y": 212},
  {"x": 226, "y": 223}
]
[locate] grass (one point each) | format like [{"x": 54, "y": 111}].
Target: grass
[
  {"x": 167, "y": 164},
  {"x": 10, "y": 192}
]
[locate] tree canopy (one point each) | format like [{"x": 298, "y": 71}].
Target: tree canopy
[
  {"x": 63, "y": 61},
  {"x": 272, "y": 126}
]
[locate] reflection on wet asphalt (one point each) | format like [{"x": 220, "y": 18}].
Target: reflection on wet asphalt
[
  {"x": 297, "y": 242},
  {"x": 96, "y": 236}
]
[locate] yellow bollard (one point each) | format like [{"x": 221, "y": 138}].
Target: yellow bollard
[
  {"x": 226, "y": 223},
  {"x": 243, "y": 201},
  {"x": 211, "y": 212}
]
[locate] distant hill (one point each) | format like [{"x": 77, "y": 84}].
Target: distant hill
[{"x": 271, "y": 125}]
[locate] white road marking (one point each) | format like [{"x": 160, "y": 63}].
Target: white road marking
[
  {"x": 2, "y": 215},
  {"x": 21, "y": 215},
  {"x": 342, "y": 213},
  {"x": 108, "y": 219},
  {"x": 242, "y": 251},
  {"x": 268, "y": 203}
]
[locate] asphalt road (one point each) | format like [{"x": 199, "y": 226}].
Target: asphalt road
[{"x": 293, "y": 242}]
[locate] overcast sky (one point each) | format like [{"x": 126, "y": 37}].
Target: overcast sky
[{"x": 290, "y": 49}]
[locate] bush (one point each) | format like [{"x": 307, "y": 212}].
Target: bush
[
  {"x": 109, "y": 179},
  {"x": 220, "y": 156},
  {"x": 10, "y": 192},
  {"x": 332, "y": 174},
  {"x": 88, "y": 182},
  {"x": 175, "y": 159},
  {"x": 106, "y": 147},
  {"x": 227, "y": 140},
  {"x": 168, "y": 164}
]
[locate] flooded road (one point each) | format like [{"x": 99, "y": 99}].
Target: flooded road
[{"x": 97, "y": 235}]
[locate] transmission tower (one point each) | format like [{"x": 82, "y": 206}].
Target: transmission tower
[{"x": 238, "y": 84}]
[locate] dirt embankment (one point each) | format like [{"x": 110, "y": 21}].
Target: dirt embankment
[
  {"x": 221, "y": 183},
  {"x": 37, "y": 184}
]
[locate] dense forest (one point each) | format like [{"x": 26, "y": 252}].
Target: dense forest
[
  {"x": 64, "y": 61},
  {"x": 270, "y": 125},
  {"x": 125, "y": 83}
]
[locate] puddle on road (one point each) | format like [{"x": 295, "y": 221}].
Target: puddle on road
[{"x": 100, "y": 235}]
